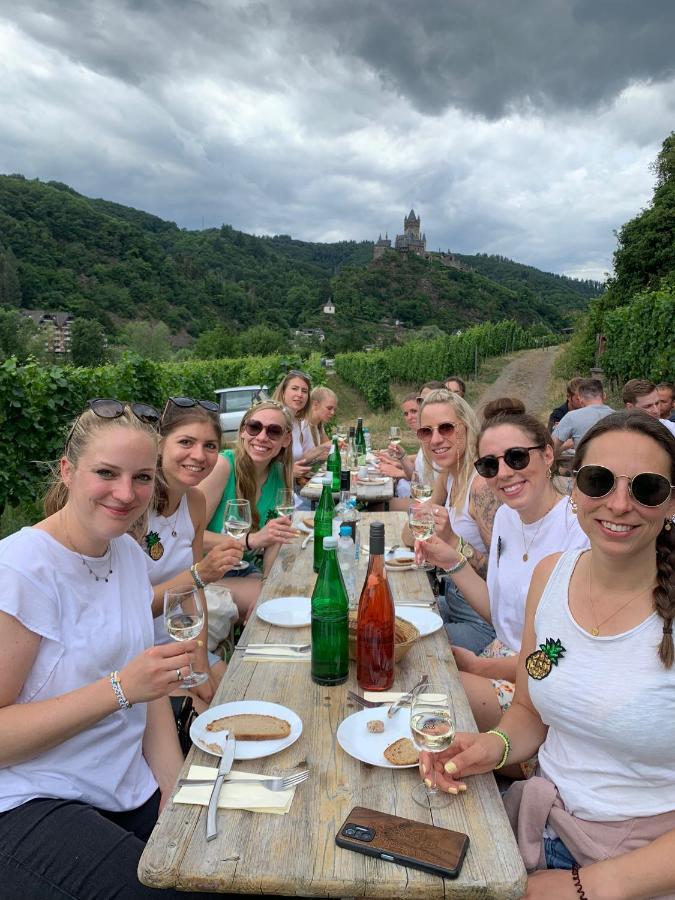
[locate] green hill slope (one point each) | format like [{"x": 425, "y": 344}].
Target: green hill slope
[{"x": 99, "y": 259}]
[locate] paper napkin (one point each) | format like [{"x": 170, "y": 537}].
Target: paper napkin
[
  {"x": 275, "y": 654},
  {"x": 383, "y": 696},
  {"x": 252, "y": 797}
]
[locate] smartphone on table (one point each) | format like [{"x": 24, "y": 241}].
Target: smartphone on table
[{"x": 416, "y": 845}]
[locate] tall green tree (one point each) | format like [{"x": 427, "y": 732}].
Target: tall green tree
[
  {"x": 151, "y": 341},
  {"x": 19, "y": 336},
  {"x": 10, "y": 287},
  {"x": 88, "y": 344}
]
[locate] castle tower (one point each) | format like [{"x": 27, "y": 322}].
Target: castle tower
[
  {"x": 410, "y": 241},
  {"x": 411, "y": 225}
]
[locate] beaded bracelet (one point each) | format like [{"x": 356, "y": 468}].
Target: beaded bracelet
[
  {"x": 117, "y": 690},
  {"x": 577, "y": 882},
  {"x": 196, "y": 577},
  {"x": 507, "y": 746},
  {"x": 461, "y": 562}
]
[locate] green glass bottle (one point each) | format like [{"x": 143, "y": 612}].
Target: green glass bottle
[
  {"x": 360, "y": 441},
  {"x": 334, "y": 464},
  {"x": 330, "y": 621},
  {"x": 323, "y": 520}
]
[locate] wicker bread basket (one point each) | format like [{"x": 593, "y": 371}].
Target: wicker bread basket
[{"x": 405, "y": 637}]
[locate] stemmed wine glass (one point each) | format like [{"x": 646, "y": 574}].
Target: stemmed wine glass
[
  {"x": 237, "y": 523},
  {"x": 420, "y": 488},
  {"x": 422, "y": 524},
  {"x": 432, "y": 729},
  {"x": 394, "y": 434},
  {"x": 341, "y": 433},
  {"x": 285, "y": 503},
  {"x": 184, "y": 620}
]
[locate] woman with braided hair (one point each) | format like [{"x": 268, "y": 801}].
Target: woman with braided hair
[{"x": 595, "y": 688}]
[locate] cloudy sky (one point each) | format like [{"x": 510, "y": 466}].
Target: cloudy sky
[{"x": 520, "y": 127}]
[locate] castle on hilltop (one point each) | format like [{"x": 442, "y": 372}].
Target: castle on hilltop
[{"x": 411, "y": 241}]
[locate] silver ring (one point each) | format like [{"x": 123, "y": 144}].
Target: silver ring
[{"x": 179, "y": 677}]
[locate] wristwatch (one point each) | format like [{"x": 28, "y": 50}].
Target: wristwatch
[{"x": 465, "y": 549}]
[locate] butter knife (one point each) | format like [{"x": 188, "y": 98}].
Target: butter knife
[{"x": 223, "y": 769}]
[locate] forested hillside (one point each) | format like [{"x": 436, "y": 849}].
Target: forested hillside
[{"x": 100, "y": 260}]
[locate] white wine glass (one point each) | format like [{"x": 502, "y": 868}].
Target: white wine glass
[
  {"x": 237, "y": 523},
  {"x": 394, "y": 435},
  {"x": 184, "y": 620},
  {"x": 432, "y": 728},
  {"x": 284, "y": 503},
  {"x": 422, "y": 524},
  {"x": 341, "y": 432},
  {"x": 420, "y": 488}
]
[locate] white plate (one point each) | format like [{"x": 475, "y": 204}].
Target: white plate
[
  {"x": 355, "y": 739},
  {"x": 246, "y": 749},
  {"x": 403, "y": 554},
  {"x": 372, "y": 479},
  {"x": 300, "y": 525},
  {"x": 288, "y": 612},
  {"x": 424, "y": 620}
]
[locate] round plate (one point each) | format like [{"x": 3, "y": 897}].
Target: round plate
[
  {"x": 406, "y": 557},
  {"x": 372, "y": 479},
  {"x": 301, "y": 526},
  {"x": 287, "y": 612},
  {"x": 355, "y": 739},
  {"x": 424, "y": 620},
  {"x": 245, "y": 749}
]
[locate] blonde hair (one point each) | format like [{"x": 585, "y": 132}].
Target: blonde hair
[
  {"x": 246, "y": 486},
  {"x": 84, "y": 430},
  {"x": 278, "y": 394},
  {"x": 318, "y": 395},
  {"x": 465, "y": 470}
]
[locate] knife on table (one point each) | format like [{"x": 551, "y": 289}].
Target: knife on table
[{"x": 223, "y": 769}]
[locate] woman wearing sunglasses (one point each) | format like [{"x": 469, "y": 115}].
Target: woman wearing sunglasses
[
  {"x": 515, "y": 454},
  {"x": 294, "y": 392},
  {"x": 174, "y": 536},
  {"x": 89, "y": 751},
  {"x": 260, "y": 465},
  {"x": 598, "y": 702}
]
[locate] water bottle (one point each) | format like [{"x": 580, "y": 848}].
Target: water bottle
[
  {"x": 366, "y": 438},
  {"x": 330, "y": 621},
  {"x": 346, "y": 554}
]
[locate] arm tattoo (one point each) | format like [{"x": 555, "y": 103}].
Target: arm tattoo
[{"x": 485, "y": 505}]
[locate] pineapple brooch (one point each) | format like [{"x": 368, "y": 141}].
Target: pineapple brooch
[
  {"x": 154, "y": 545},
  {"x": 540, "y": 663}
]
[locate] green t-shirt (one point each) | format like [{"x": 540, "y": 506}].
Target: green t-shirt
[{"x": 266, "y": 504}]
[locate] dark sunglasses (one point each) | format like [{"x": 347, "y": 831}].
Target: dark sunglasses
[
  {"x": 274, "y": 432},
  {"x": 187, "y": 402},
  {"x": 515, "y": 458},
  {"x": 113, "y": 409},
  {"x": 647, "y": 488},
  {"x": 445, "y": 429}
]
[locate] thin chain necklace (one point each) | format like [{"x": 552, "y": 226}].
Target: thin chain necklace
[
  {"x": 174, "y": 533},
  {"x": 527, "y": 547},
  {"x": 107, "y": 556},
  {"x": 595, "y": 631}
]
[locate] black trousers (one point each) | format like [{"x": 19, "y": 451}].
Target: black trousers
[{"x": 65, "y": 850}]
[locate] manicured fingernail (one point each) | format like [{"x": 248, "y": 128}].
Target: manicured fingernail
[
  {"x": 453, "y": 790},
  {"x": 427, "y": 781},
  {"x": 461, "y": 787},
  {"x": 450, "y": 767}
]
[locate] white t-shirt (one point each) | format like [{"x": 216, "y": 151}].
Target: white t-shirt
[
  {"x": 610, "y": 707},
  {"x": 462, "y": 522},
  {"x": 88, "y": 628},
  {"x": 302, "y": 439},
  {"x": 509, "y": 576},
  {"x": 177, "y": 555}
]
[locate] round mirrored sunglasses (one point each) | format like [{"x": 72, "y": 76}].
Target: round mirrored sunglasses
[{"x": 648, "y": 488}]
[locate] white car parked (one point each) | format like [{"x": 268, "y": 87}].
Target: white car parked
[{"x": 233, "y": 404}]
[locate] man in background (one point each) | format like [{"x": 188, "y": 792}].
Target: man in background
[
  {"x": 640, "y": 393},
  {"x": 666, "y": 398},
  {"x": 572, "y": 402},
  {"x": 576, "y": 423}
]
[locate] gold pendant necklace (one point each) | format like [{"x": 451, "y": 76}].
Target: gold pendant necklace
[
  {"x": 595, "y": 631},
  {"x": 528, "y": 547}
]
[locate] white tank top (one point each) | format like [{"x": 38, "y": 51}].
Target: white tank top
[
  {"x": 462, "y": 522},
  {"x": 610, "y": 708},
  {"x": 302, "y": 439},
  {"x": 177, "y": 555}
]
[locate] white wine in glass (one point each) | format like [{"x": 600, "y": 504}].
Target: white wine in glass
[
  {"x": 420, "y": 489},
  {"x": 394, "y": 435},
  {"x": 184, "y": 620},
  {"x": 237, "y": 523},
  {"x": 432, "y": 729},
  {"x": 285, "y": 503},
  {"x": 422, "y": 524}
]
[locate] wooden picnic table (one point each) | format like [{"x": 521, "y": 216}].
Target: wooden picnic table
[
  {"x": 296, "y": 854},
  {"x": 369, "y": 493}
]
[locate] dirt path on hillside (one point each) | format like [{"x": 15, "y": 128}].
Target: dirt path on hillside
[{"x": 526, "y": 377}]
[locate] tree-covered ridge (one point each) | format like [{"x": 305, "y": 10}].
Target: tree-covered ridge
[{"x": 100, "y": 260}]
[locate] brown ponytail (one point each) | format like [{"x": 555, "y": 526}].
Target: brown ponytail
[{"x": 664, "y": 592}]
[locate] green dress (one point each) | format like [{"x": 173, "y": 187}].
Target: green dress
[{"x": 266, "y": 504}]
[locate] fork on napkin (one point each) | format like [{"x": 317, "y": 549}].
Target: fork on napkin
[
  {"x": 276, "y": 653},
  {"x": 252, "y": 797}
]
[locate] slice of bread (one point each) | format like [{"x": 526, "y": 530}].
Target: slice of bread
[
  {"x": 399, "y": 562},
  {"x": 252, "y": 727},
  {"x": 401, "y": 753},
  {"x": 375, "y": 726},
  {"x": 308, "y": 521}
]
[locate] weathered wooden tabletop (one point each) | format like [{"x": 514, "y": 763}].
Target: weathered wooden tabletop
[
  {"x": 365, "y": 492},
  {"x": 296, "y": 854}
]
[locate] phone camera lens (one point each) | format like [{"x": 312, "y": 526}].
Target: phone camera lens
[{"x": 350, "y": 832}]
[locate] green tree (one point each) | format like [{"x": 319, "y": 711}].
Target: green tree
[
  {"x": 18, "y": 336},
  {"x": 88, "y": 345},
  {"x": 216, "y": 343},
  {"x": 147, "y": 340},
  {"x": 10, "y": 287},
  {"x": 260, "y": 340}
]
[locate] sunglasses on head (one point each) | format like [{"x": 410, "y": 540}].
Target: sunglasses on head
[
  {"x": 515, "y": 458},
  {"x": 106, "y": 408},
  {"x": 299, "y": 374},
  {"x": 187, "y": 402},
  {"x": 647, "y": 488},
  {"x": 445, "y": 429},
  {"x": 274, "y": 432}
]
